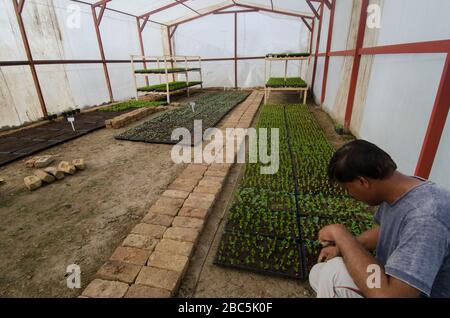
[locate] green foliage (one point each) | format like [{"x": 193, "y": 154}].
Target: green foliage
[
  {"x": 163, "y": 70},
  {"x": 289, "y": 82},
  {"x": 283, "y": 55},
  {"x": 132, "y": 104},
  {"x": 173, "y": 86},
  {"x": 209, "y": 108},
  {"x": 264, "y": 211}
]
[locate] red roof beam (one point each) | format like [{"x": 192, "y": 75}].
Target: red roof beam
[
  {"x": 313, "y": 9},
  {"x": 307, "y": 24},
  {"x": 203, "y": 14}
]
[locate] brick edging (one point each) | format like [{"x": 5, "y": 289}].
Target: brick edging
[
  {"x": 153, "y": 258},
  {"x": 131, "y": 117}
]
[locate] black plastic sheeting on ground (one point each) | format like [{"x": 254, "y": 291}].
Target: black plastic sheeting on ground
[{"x": 31, "y": 140}]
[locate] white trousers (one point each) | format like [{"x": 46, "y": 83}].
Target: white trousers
[{"x": 332, "y": 280}]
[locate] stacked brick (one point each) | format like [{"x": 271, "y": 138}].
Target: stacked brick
[
  {"x": 131, "y": 117},
  {"x": 154, "y": 257}
]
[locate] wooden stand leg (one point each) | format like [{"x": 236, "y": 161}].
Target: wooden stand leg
[{"x": 305, "y": 94}]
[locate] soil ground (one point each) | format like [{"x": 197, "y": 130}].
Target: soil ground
[
  {"x": 204, "y": 279},
  {"x": 83, "y": 218}
]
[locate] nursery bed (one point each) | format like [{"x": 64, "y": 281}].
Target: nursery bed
[
  {"x": 291, "y": 205},
  {"x": 31, "y": 140},
  {"x": 287, "y": 55},
  {"x": 133, "y": 104},
  {"x": 209, "y": 108},
  {"x": 277, "y": 82},
  {"x": 173, "y": 86},
  {"x": 163, "y": 70}
]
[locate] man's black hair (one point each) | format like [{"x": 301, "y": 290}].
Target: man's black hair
[{"x": 360, "y": 158}]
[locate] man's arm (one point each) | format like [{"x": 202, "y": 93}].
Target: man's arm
[
  {"x": 357, "y": 259},
  {"x": 369, "y": 238}
]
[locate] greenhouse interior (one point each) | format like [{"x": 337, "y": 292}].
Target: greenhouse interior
[{"x": 224, "y": 149}]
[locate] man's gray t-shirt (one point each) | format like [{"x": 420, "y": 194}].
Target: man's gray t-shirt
[{"x": 414, "y": 240}]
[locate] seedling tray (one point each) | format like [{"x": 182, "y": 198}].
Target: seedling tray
[
  {"x": 173, "y": 86},
  {"x": 261, "y": 208},
  {"x": 163, "y": 70},
  {"x": 287, "y": 55},
  {"x": 289, "y": 82},
  {"x": 210, "y": 109}
]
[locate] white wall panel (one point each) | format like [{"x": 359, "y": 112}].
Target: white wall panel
[{"x": 399, "y": 104}]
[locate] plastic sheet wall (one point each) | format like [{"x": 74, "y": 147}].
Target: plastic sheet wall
[
  {"x": 52, "y": 36},
  {"x": 395, "y": 93}
]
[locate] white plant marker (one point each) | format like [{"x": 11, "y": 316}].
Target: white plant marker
[
  {"x": 71, "y": 120},
  {"x": 192, "y": 106}
]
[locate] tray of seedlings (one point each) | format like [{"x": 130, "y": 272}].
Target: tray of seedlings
[
  {"x": 276, "y": 82},
  {"x": 274, "y": 220},
  {"x": 132, "y": 105},
  {"x": 209, "y": 108},
  {"x": 173, "y": 86},
  {"x": 163, "y": 70},
  {"x": 287, "y": 55},
  {"x": 262, "y": 232}
]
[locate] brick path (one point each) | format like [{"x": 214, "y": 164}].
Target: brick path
[{"x": 153, "y": 258}]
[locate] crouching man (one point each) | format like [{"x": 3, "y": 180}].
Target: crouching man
[{"x": 411, "y": 235}]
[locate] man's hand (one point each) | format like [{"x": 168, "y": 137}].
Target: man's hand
[
  {"x": 328, "y": 233},
  {"x": 328, "y": 253}
]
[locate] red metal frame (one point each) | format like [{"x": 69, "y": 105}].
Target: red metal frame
[
  {"x": 235, "y": 52},
  {"x": 328, "y": 4},
  {"x": 100, "y": 43},
  {"x": 141, "y": 45},
  {"x": 319, "y": 31},
  {"x": 356, "y": 63},
  {"x": 342, "y": 53},
  {"x": 436, "y": 124},
  {"x": 313, "y": 9},
  {"x": 308, "y": 25},
  {"x": 441, "y": 46},
  {"x": 327, "y": 56},
  {"x": 312, "y": 36},
  {"x": 18, "y": 8}
]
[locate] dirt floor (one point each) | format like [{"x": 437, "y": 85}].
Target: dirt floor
[
  {"x": 83, "y": 218},
  {"x": 204, "y": 279},
  {"x": 80, "y": 219}
]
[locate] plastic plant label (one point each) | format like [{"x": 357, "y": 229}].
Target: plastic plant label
[{"x": 71, "y": 120}]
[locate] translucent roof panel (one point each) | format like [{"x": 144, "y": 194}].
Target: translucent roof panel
[
  {"x": 138, "y": 7},
  {"x": 201, "y": 4},
  {"x": 171, "y": 13},
  {"x": 179, "y": 10},
  {"x": 282, "y": 5},
  {"x": 294, "y": 5}
]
